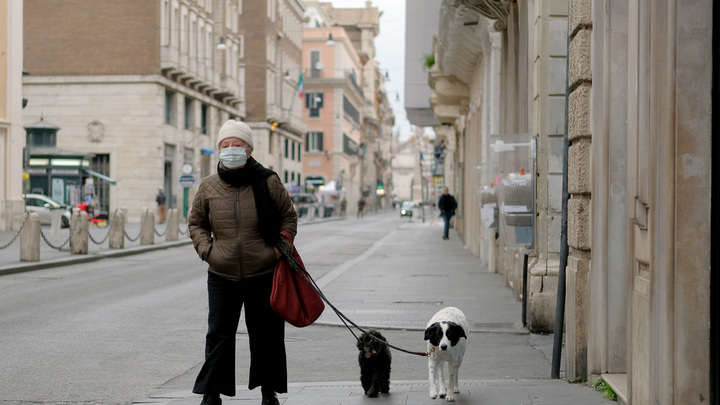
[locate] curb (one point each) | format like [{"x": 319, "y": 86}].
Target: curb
[{"x": 90, "y": 257}]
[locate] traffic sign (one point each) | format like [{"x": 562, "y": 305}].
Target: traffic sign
[{"x": 187, "y": 180}]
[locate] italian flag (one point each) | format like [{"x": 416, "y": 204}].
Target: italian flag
[{"x": 301, "y": 87}]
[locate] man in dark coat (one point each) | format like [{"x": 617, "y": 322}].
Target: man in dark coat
[{"x": 447, "y": 206}]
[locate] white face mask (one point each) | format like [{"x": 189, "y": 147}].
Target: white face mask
[{"x": 233, "y": 156}]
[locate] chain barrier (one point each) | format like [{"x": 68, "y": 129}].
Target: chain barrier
[
  {"x": 51, "y": 245},
  {"x": 160, "y": 234},
  {"x": 102, "y": 241},
  {"x": 17, "y": 234},
  {"x": 107, "y": 225},
  {"x": 139, "y": 233},
  {"x": 181, "y": 232}
]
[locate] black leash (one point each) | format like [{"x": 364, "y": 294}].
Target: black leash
[{"x": 283, "y": 247}]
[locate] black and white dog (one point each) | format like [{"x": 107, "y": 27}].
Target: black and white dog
[
  {"x": 374, "y": 359},
  {"x": 446, "y": 334}
]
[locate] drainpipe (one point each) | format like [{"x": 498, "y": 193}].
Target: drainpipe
[{"x": 561, "y": 291}]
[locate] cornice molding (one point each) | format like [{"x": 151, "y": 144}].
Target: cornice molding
[{"x": 492, "y": 9}]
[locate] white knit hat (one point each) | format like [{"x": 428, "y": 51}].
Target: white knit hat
[{"x": 235, "y": 129}]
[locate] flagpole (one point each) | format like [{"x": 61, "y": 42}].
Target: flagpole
[{"x": 299, "y": 89}]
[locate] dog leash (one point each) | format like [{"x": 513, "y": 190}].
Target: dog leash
[{"x": 345, "y": 320}]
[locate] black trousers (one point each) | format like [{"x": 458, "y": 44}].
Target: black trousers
[{"x": 266, "y": 331}]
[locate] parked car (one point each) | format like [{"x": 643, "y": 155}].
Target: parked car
[
  {"x": 305, "y": 204},
  {"x": 44, "y": 205},
  {"x": 406, "y": 208}
]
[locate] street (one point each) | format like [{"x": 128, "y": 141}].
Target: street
[{"x": 122, "y": 329}]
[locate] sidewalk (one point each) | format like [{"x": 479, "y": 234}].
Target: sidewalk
[{"x": 396, "y": 284}]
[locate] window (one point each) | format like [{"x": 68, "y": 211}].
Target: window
[
  {"x": 315, "y": 65},
  {"x": 313, "y": 142},
  {"x": 169, "y": 107},
  {"x": 286, "y": 176},
  {"x": 270, "y": 143},
  {"x": 286, "y": 148},
  {"x": 203, "y": 118},
  {"x": 188, "y": 113},
  {"x": 350, "y": 110},
  {"x": 292, "y": 147},
  {"x": 314, "y": 102}
]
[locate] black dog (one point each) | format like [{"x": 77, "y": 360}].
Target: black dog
[{"x": 374, "y": 359}]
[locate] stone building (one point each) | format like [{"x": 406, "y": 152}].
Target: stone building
[
  {"x": 147, "y": 93},
  {"x": 635, "y": 277},
  {"x": 12, "y": 135},
  {"x": 349, "y": 119},
  {"x": 272, "y": 31},
  {"x": 333, "y": 100},
  {"x": 642, "y": 297},
  {"x": 498, "y": 91}
]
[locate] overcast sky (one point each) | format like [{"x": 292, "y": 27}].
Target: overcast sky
[{"x": 390, "y": 52}]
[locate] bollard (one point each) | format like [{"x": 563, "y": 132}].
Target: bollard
[
  {"x": 79, "y": 232},
  {"x": 147, "y": 227},
  {"x": 55, "y": 221},
  {"x": 117, "y": 231},
  {"x": 30, "y": 239},
  {"x": 173, "y": 221}
]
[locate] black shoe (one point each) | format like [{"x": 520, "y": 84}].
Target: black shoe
[
  {"x": 211, "y": 399},
  {"x": 270, "y": 399}
]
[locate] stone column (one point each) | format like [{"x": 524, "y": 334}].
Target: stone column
[
  {"x": 116, "y": 239},
  {"x": 548, "y": 123},
  {"x": 30, "y": 239},
  {"x": 79, "y": 232},
  {"x": 147, "y": 227},
  {"x": 577, "y": 299}
]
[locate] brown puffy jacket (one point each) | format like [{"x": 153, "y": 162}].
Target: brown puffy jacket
[{"x": 223, "y": 225}]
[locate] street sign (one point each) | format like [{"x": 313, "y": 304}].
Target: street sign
[{"x": 187, "y": 180}]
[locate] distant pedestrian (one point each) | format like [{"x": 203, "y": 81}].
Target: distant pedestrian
[
  {"x": 361, "y": 207},
  {"x": 160, "y": 199},
  {"x": 447, "y": 206},
  {"x": 343, "y": 206},
  {"x": 89, "y": 196}
]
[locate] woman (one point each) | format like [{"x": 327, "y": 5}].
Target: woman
[{"x": 235, "y": 222}]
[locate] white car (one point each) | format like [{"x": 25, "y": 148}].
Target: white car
[
  {"x": 43, "y": 205},
  {"x": 406, "y": 209}
]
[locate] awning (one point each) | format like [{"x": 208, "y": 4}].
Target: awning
[{"x": 100, "y": 176}]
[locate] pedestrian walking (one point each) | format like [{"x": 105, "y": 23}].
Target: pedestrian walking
[
  {"x": 447, "y": 206},
  {"x": 235, "y": 223},
  {"x": 160, "y": 199},
  {"x": 361, "y": 207},
  {"x": 89, "y": 196},
  {"x": 343, "y": 206}
]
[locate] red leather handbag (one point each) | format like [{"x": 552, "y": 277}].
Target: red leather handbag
[{"x": 294, "y": 296}]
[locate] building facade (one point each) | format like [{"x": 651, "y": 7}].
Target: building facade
[
  {"x": 620, "y": 186},
  {"x": 148, "y": 102},
  {"x": 498, "y": 89},
  {"x": 272, "y": 31},
  {"x": 348, "y": 146},
  {"x": 642, "y": 299},
  {"x": 12, "y": 136}
]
